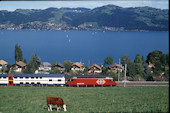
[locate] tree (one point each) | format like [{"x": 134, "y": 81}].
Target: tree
[
  {"x": 131, "y": 69},
  {"x": 125, "y": 59},
  {"x": 147, "y": 72},
  {"x": 18, "y": 53},
  {"x": 164, "y": 59},
  {"x": 25, "y": 61},
  {"x": 108, "y": 60},
  {"x": 35, "y": 61},
  {"x": 138, "y": 59},
  {"x": 143, "y": 59},
  {"x": 33, "y": 65},
  {"x": 154, "y": 57},
  {"x": 67, "y": 65},
  {"x": 53, "y": 64},
  {"x": 104, "y": 70},
  {"x": 53, "y": 69},
  {"x": 139, "y": 69}
]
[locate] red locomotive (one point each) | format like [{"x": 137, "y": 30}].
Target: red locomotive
[{"x": 91, "y": 80}]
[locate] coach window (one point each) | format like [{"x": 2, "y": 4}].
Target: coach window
[
  {"x": 27, "y": 82},
  {"x": 59, "y": 80},
  {"x": 21, "y": 82},
  {"x": 38, "y": 82},
  {"x": 32, "y": 83},
  {"x": 15, "y": 77},
  {"x": 26, "y": 77},
  {"x": 4, "y": 77},
  {"x": 50, "y": 80},
  {"x": 21, "y": 77},
  {"x": 0, "y": 77},
  {"x": 36, "y": 77},
  {"x": 40, "y": 77},
  {"x": 32, "y": 77}
]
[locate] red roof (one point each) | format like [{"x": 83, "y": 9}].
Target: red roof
[
  {"x": 95, "y": 65},
  {"x": 20, "y": 63}
]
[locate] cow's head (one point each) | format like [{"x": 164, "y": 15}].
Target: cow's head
[{"x": 64, "y": 107}]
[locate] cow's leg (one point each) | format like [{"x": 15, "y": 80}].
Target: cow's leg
[
  {"x": 48, "y": 107},
  {"x": 58, "y": 108},
  {"x": 51, "y": 107}
]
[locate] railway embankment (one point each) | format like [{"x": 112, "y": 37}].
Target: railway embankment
[{"x": 142, "y": 83}]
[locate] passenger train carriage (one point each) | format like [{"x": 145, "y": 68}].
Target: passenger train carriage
[
  {"x": 32, "y": 79},
  {"x": 91, "y": 80}
]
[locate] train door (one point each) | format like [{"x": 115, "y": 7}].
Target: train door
[{"x": 10, "y": 80}]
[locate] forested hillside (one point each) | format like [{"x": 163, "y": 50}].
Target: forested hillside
[{"x": 107, "y": 17}]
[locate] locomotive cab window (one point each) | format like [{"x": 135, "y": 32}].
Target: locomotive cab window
[
  {"x": 59, "y": 80},
  {"x": 71, "y": 79}
]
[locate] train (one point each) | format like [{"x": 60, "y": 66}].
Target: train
[
  {"x": 91, "y": 80},
  {"x": 55, "y": 80}
]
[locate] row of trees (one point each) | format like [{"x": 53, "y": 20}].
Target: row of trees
[{"x": 137, "y": 68}]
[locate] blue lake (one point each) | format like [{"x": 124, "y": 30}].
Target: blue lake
[{"x": 85, "y": 46}]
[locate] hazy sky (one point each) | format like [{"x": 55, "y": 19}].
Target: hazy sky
[{"x": 12, "y": 5}]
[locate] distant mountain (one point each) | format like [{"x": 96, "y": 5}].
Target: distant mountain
[{"x": 109, "y": 17}]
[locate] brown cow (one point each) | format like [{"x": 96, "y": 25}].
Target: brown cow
[{"x": 56, "y": 101}]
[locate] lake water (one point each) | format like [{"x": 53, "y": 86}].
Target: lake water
[{"x": 85, "y": 46}]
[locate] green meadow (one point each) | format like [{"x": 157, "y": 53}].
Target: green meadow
[{"x": 85, "y": 99}]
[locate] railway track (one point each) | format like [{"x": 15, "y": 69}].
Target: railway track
[{"x": 142, "y": 83}]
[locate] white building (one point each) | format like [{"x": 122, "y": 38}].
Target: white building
[
  {"x": 3, "y": 63},
  {"x": 77, "y": 67},
  {"x": 45, "y": 66}
]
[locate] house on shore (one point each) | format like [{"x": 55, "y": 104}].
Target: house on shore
[
  {"x": 150, "y": 65},
  {"x": 45, "y": 66},
  {"x": 18, "y": 66},
  {"x": 94, "y": 69},
  {"x": 157, "y": 78},
  {"x": 128, "y": 78},
  {"x": 3, "y": 63},
  {"x": 60, "y": 67},
  {"x": 115, "y": 67},
  {"x": 77, "y": 67}
]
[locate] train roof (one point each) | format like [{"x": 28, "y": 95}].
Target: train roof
[
  {"x": 33, "y": 75},
  {"x": 91, "y": 76}
]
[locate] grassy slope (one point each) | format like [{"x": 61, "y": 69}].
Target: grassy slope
[{"x": 85, "y": 100}]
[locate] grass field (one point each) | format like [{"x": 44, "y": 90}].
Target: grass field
[{"x": 85, "y": 100}]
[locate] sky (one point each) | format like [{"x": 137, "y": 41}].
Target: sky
[{"x": 13, "y": 5}]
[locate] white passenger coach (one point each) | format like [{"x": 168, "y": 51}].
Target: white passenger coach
[{"x": 32, "y": 79}]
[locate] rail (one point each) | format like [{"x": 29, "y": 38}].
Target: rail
[{"x": 142, "y": 83}]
